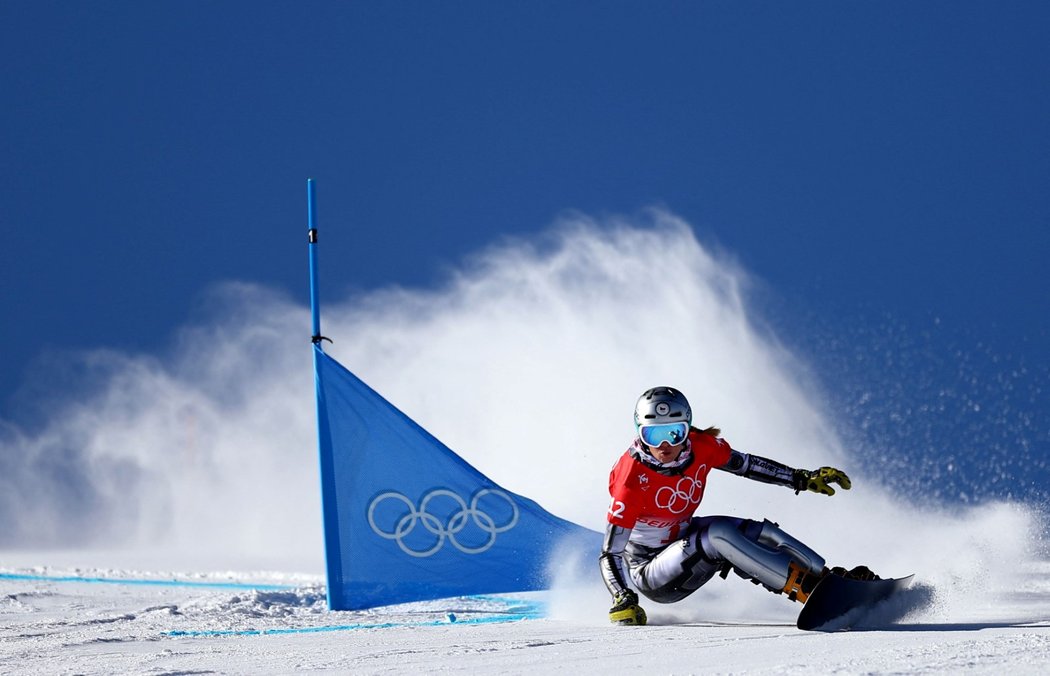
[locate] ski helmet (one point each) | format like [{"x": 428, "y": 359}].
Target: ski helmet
[{"x": 662, "y": 405}]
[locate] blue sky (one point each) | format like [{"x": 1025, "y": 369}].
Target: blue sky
[{"x": 863, "y": 160}]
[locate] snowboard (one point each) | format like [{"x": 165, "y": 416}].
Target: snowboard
[{"x": 835, "y": 596}]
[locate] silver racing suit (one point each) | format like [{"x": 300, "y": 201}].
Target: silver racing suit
[{"x": 756, "y": 550}]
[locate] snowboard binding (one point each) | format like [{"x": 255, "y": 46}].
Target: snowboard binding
[
  {"x": 855, "y": 573},
  {"x": 801, "y": 582}
]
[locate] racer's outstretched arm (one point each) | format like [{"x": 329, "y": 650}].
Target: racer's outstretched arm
[
  {"x": 768, "y": 471},
  {"x": 625, "y": 608}
]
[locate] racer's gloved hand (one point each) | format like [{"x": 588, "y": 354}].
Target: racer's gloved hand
[
  {"x": 820, "y": 480},
  {"x": 626, "y": 609}
]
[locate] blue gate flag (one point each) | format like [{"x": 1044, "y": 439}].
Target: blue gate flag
[{"x": 406, "y": 519}]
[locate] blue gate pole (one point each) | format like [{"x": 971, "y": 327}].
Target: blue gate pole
[{"x": 329, "y": 519}]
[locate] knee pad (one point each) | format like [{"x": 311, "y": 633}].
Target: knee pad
[
  {"x": 761, "y": 551},
  {"x": 801, "y": 554}
]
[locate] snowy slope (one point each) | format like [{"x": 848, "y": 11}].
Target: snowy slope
[{"x": 138, "y": 622}]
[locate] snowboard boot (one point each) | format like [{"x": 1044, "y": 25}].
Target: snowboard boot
[
  {"x": 801, "y": 582},
  {"x": 627, "y": 611}
]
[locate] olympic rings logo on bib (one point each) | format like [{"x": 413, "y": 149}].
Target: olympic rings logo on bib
[
  {"x": 686, "y": 493},
  {"x": 443, "y": 515}
]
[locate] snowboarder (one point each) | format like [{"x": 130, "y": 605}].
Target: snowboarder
[{"x": 653, "y": 537}]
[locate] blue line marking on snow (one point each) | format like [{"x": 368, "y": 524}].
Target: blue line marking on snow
[
  {"x": 159, "y": 583},
  {"x": 349, "y": 627},
  {"x": 518, "y": 610}
]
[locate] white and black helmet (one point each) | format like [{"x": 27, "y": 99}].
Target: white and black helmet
[{"x": 661, "y": 405}]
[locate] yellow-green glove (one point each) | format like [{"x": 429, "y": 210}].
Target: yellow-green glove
[
  {"x": 820, "y": 480},
  {"x": 626, "y": 609}
]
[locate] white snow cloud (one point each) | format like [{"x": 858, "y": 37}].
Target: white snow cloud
[{"x": 527, "y": 362}]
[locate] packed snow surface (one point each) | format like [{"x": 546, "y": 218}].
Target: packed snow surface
[{"x": 77, "y": 620}]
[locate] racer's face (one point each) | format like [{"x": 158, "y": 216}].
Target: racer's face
[{"x": 665, "y": 452}]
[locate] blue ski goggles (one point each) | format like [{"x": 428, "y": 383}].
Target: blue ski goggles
[{"x": 672, "y": 433}]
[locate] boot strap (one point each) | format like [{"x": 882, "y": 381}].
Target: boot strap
[{"x": 793, "y": 588}]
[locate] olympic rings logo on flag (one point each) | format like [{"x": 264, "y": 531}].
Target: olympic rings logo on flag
[
  {"x": 442, "y": 528},
  {"x": 688, "y": 491}
]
